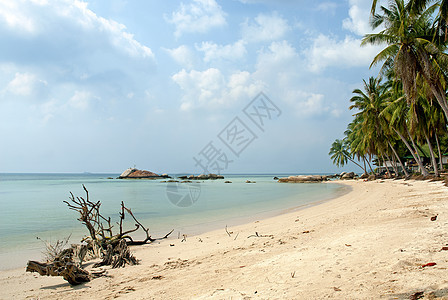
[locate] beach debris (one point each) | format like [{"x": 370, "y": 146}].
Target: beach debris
[
  {"x": 348, "y": 245},
  {"x": 259, "y": 235},
  {"x": 431, "y": 264},
  {"x": 184, "y": 239},
  {"x": 336, "y": 289},
  {"x": 433, "y": 218},
  {"x": 102, "y": 242},
  {"x": 445, "y": 248},
  {"x": 417, "y": 295},
  {"x": 100, "y": 227},
  {"x": 293, "y": 274},
  {"x": 65, "y": 266},
  {"x": 117, "y": 256},
  {"x": 229, "y": 233},
  {"x": 52, "y": 250}
]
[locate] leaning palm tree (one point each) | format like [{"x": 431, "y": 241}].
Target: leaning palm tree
[
  {"x": 340, "y": 154},
  {"x": 416, "y": 57}
]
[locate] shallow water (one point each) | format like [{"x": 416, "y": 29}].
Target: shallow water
[{"x": 32, "y": 206}]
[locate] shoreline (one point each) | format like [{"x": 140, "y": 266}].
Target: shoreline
[
  {"x": 369, "y": 243},
  {"x": 18, "y": 258}
]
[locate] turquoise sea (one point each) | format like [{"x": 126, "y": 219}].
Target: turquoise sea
[{"x": 32, "y": 206}]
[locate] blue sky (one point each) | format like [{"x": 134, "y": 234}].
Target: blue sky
[{"x": 103, "y": 85}]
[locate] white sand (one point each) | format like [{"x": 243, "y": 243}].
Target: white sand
[{"x": 368, "y": 244}]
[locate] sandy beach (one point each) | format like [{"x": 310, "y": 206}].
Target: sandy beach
[{"x": 373, "y": 243}]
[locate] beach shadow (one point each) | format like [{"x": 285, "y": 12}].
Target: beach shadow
[
  {"x": 65, "y": 285},
  {"x": 409, "y": 295}
]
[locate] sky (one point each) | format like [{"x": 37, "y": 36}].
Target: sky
[{"x": 234, "y": 86}]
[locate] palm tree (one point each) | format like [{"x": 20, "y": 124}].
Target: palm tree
[
  {"x": 355, "y": 142},
  {"x": 417, "y": 6},
  {"x": 396, "y": 114},
  {"x": 411, "y": 49},
  {"x": 420, "y": 125},
  {"x": 369, "y": 127},
  {"x": 340, "y": 154}
]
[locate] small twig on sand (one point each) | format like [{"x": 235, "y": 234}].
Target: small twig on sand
[
  {"x": 259, "y": 235},
  {"x": 293, "y": 274},
  {"x": 229, "y": 233},
  {"x": 236, "y": 236},
  {"x": 185, "y": 238}
]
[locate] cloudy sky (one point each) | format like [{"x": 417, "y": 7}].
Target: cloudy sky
[{"x": 102, "y": 85}]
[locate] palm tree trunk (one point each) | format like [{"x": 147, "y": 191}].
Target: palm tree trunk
[
  {"x": 399, "y": 160},
  {"x": 394, "y": 164},
  {"x": 435, "y": 87},
  {"x": 353, "y": 161},
  {"x": 433, "y": 157},
  {"x": 385, "y": 165},
  {"x": 440, "y": 153},
  {"x": 419, "y": 162},
  {"x": 370, "y": 166}
]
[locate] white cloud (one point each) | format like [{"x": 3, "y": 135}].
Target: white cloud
[
  {"x": 359, "y": 14},
  {"x": 40, "y": 18},
  {"x": 81, "y": 99},
  {"x": 309, "y": 104},
  {"x": 213, "y": 51},
  {"x": 266, "y": 28},
  {"x": 327, "y": 7},
  {"x": 13, "y": 14},
  {"x": 118, "y": 36},
  {"x": 24, "y": 84},
  {"x": 328, "y": 52},
  {"x": 183, "y": 56},
  {"x": 198, "y": 16},
  {"x": 279, "y": 63},
  {"x": 211, "y": 89},
  {"x": 48, "y": 110}
]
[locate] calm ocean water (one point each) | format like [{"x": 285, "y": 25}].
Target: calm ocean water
[{"x": 32, "y": 206}]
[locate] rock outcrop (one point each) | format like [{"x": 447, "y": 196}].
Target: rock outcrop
[
  {"x": 133, "y": 173},
  {"x": 349, "y": 175},
  {"x": 202, "y": 177},
  {"x": 304, "y": 178}
]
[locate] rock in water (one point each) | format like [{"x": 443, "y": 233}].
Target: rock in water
[
  {"x": 304, "y": 178},
  {"x": 133, "y": 173}
]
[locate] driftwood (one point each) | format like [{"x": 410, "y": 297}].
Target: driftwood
[
  {"x": 62, "y": 265},
  {"x": 117, "y": 257},
  {"x": 102, "y": 243}
]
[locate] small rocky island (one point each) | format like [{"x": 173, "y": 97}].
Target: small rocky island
[
  {"x": 202, "y": 177},
  {"x": 133, "y": 173}
]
